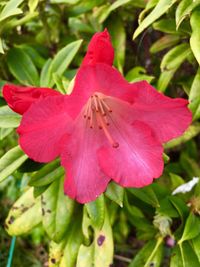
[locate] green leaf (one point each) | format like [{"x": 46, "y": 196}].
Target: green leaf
[
  {"x": 164, "y": 79},
  {"x": 63, "y": 58},
  {"x": 58, "y": 80},
  {"x": 96, "y": 211},
  {"x": 5, "y": 132},
  {"x": 74, "y": 240},
  {"x": 176, "y": 180},
  {"x": 24, "y": 215},
  {"x": 77, "y": 25},
  {"x": 84, "y": 6},
  {"x": 138, "y": 74},
  {"x": 11, "y": 161},
  {"x": 171, "y": 62},
  {"x": 22, "y": 67},
  {"x": 57, "y": 210},
  {"x": 32, "y": 4},
  {"x": 11, "y": 9},
  {"x": 189, "y": 165},
  {"x": 39, "y": 190},
  {"x": 85, "y": 256},
  {"x": 117, "y": 31},
  {"x": 34, "y": 55},
  {"x": 47, "y": 174},
  {"x": 8, "y": 118},
  {"x": 71, "y": 2},
  {"x": 191, "y": 229},
  {"x": 157, "y": 12},
  {"x": 111, "y": 8},
  {"x": 194, "y": 91},
  {"x": 166, "y": 208},
  {"x": 45, "y": 75},
  {"x": 196, "y": 246},
  {"x": 100, "y": 252},
  {"x": 184, "y": 256},
  {"x": 195, "y": 36},
  {"x": 174, "y": 58},
  {"x": 115, "y": 193},
  {"x": 150, "y": 255},
  {"x": 146, "y": 194},
  {"x": 164, "y": 42},
  {"x": 166, "y": 25},
  {"x": 56, "y": 252},
  {"x": 1, "y": 46},
  {"x": 184, "y": 9},
  {"x": 180, "y": 206}
]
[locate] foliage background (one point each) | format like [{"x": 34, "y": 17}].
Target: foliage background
[{"x": 41, "y": 45}]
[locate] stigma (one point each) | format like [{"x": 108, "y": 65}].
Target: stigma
[{"x": 98, "y": 114}]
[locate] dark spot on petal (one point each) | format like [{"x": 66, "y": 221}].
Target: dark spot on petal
[
  {"x": 151, "y": 264},
  {"x": 49, "y": 211},
  {"x": 53, "y": 261},
  {"x": 11, "y": 220},
  {"x": 100, "y": 240},
  {"x": 6, "y": 226},
  {"x": 43, "y": 212}
]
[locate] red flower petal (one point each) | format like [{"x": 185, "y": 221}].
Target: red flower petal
[
  {"x": 84, "y": 181},
  {"x": 168, "y": 117},
  {"x": 43, "y": 127},
  {"x": 21, "y": 98},
  {"x": 138, "y": 158},
  {"x": 99, "y": 49},
  {"x": 96, "y": 78}
]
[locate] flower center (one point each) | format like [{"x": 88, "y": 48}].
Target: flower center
[{"x": 97, "y": 112}]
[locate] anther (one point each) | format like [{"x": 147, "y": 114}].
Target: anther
[{"x": 115, "y": 145}]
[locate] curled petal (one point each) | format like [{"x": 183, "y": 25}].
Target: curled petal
[
  {"x": 43, "y": 127},
  {"x": 168, "y": 117},
  {"x": 21, "y": 98},
  {"x": 138, "y": 158},
  {"x": 99, "y": 49},
  {"x": 84, "y": 180}
]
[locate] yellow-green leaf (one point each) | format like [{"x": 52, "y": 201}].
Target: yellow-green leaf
[
  {"x": 161, "y": 7},
  {"x": 11, "y": 161},
  {"x": 195, "y": 36},
  {"x": 24, "y": 215}
]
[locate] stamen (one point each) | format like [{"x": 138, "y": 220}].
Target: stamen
[
  {"x": 97, "y": 113},
  {"x": 107, "y": 134},
  {"x": 96, "y": 103},
  {"x": 101, "y": 108},
  {"x": 106, "y": 106}
]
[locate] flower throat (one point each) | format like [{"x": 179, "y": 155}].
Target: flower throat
[{"x": 97, "y": 113}]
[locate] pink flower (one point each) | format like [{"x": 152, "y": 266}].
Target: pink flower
[{"x": 106, "y": 129}]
